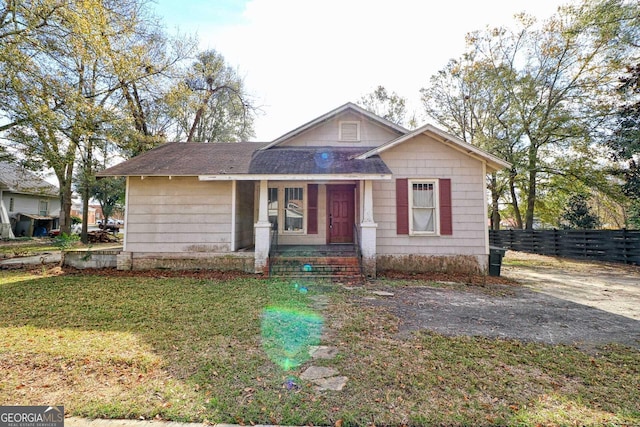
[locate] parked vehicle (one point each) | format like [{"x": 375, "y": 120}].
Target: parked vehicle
[
  {"x": 110, "y": 226},
  {"x": 75, "y": 229}
]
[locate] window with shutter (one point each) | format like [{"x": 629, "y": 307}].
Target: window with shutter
[
  {"x": 423, "y": 207},
  {"x": 349, "y": 131},
  {"x": 402, "y": 206}
]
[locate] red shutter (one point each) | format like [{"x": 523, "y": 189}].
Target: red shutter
[
  {"x": 446, "y": 220},
  {"x": 402, "y": 206},
  {"x": 312, "y": 209}
]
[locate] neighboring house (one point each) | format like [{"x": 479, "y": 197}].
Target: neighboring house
[
  {"x": 30, "y": 206},
  {"x": 412, "y": 200},
  {"x": 76, "y": 210}
]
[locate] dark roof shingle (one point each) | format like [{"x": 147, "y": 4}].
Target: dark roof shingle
[
  {"x": 193, "y": 159},
  {"x": 188, "y": 159},
  {"x": 315, "y": 161},
  {"x": 19, "y": 180}
]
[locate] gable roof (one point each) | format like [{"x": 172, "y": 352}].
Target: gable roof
[
  {"x": 17, "y": 179},
  {"x": 188, "y": 159},
  {"x": 348, "y": 107},
  {"x": 494, "y": 163}
]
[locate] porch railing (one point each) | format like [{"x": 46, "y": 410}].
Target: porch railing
[
  {"x": 273, "y": 247},
  {"x": 356, "y": 240}
]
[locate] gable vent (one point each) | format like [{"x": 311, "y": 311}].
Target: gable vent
[{"x": 349, "y": 131}]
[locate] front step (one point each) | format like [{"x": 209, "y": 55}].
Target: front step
[{"x": 330, "y": 267}]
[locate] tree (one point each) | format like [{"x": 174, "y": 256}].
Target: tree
[
  {"x": 462, "y": 99},
  {"x": 625, "y": 144},
  {"x": 389, "y": 106},
  {"x": 538, "y": 95},
  {"x": 109, "y": 192},
  {"x": 66, "y": 67},
  {"x": 578, "y": 214},
  {"x": 210, "y": 102}
]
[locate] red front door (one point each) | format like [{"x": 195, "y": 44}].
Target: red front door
[{"x": 340, "y": 202}]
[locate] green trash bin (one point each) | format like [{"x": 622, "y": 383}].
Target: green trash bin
[{"x": 495, "y": 260}]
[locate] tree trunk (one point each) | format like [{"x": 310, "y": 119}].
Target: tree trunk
[
  {"x": 514, "y": 198},
  {"x": 65, "y": 208},
  {"x": 531, "y": 197},
  {"x": 85, "y": 215},
  {"x": 64, "y": 173},
  {"x": 495, "y": 208},
  {"x": 198, "y": 116}
]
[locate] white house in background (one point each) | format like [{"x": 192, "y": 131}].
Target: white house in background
[
  {"x": 411, "y": 200},
  {"x": 29, "y": 205}
]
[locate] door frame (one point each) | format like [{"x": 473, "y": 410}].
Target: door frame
[{"x": 340, "y": 187}]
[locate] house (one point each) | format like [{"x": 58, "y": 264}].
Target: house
[
  {"x": 410, "y": 200},
  {"x": 29, "y": 205},
  {"x": 76, "y": 211}
]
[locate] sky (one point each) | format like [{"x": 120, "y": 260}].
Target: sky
[{"x": 303, "y": 58}]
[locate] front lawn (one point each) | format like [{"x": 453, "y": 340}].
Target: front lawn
[
  {"x": 194, "y": 349},
  {"x": 26, "y": 247}
]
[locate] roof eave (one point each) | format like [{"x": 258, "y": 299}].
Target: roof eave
[{"x": 298, "y": 177}]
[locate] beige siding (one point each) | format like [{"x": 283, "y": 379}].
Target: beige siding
[
  {"x": 244, "y": 214},
  {"x": 178, "y": 215},
  {"x": 326, "y": 134},
  {"x": 310, "y": 239},
  {"x": 423, "y": 157}
]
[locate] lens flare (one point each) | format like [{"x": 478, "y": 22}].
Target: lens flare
[
  {"x": 288, "y": 334},
  {"x": 324, "y": 159}
]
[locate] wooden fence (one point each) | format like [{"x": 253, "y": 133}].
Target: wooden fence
[{"x": 603, "y": 245}]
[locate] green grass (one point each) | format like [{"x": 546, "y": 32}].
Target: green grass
[
  {"x": 26, "y": 247},
  {"x": 192, "y": 350}
]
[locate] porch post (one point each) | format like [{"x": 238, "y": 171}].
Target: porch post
[
  {"x": 368, "y": 232},
  {"x": 262, "y": 229}
]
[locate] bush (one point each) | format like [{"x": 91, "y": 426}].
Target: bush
[{"x": 66, "y": 241}]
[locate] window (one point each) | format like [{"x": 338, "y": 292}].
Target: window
[
  {"x": 423, "y": 203},
  {"x": 286, "y": 208},
  {"x": 294, "y": 211},
  {"x": 44, "y": 208},
  {"x": 11, "y": 203},
  {"x": 349, "y": 131}
]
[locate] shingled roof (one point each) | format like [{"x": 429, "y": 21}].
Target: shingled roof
[
  {"x": 242, "y": 158},
  {"x": 17, "y": 179},
  {"x": 188, "y": 159},
  {"x": 316, "y": 161}
]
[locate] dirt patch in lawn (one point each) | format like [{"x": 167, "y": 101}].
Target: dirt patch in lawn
[{"x": 543, "y": 299}]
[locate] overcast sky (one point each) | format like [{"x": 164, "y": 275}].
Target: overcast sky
[{"x": 303, "y": 58}]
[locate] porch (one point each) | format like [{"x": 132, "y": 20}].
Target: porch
[{"x": 326, "y": 227}]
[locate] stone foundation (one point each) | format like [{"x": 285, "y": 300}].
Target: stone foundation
[
  {"x": 460, "y": 264},
  {"x": 104, "y": 258},
  {"x": 187, "y": 261}
]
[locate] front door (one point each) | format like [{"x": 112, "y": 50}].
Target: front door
[{"x": 340, "y": 202}]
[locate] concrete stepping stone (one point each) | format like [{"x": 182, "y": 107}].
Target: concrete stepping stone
[
  {"x": 317, "y": 372},
  {"x": 383, "y": 293},
  {"x": 323, "y": 352},
  {"x": 332, "y": 383}
]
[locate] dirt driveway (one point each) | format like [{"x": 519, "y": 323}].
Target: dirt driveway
[{"x": 558, "y": 301}]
